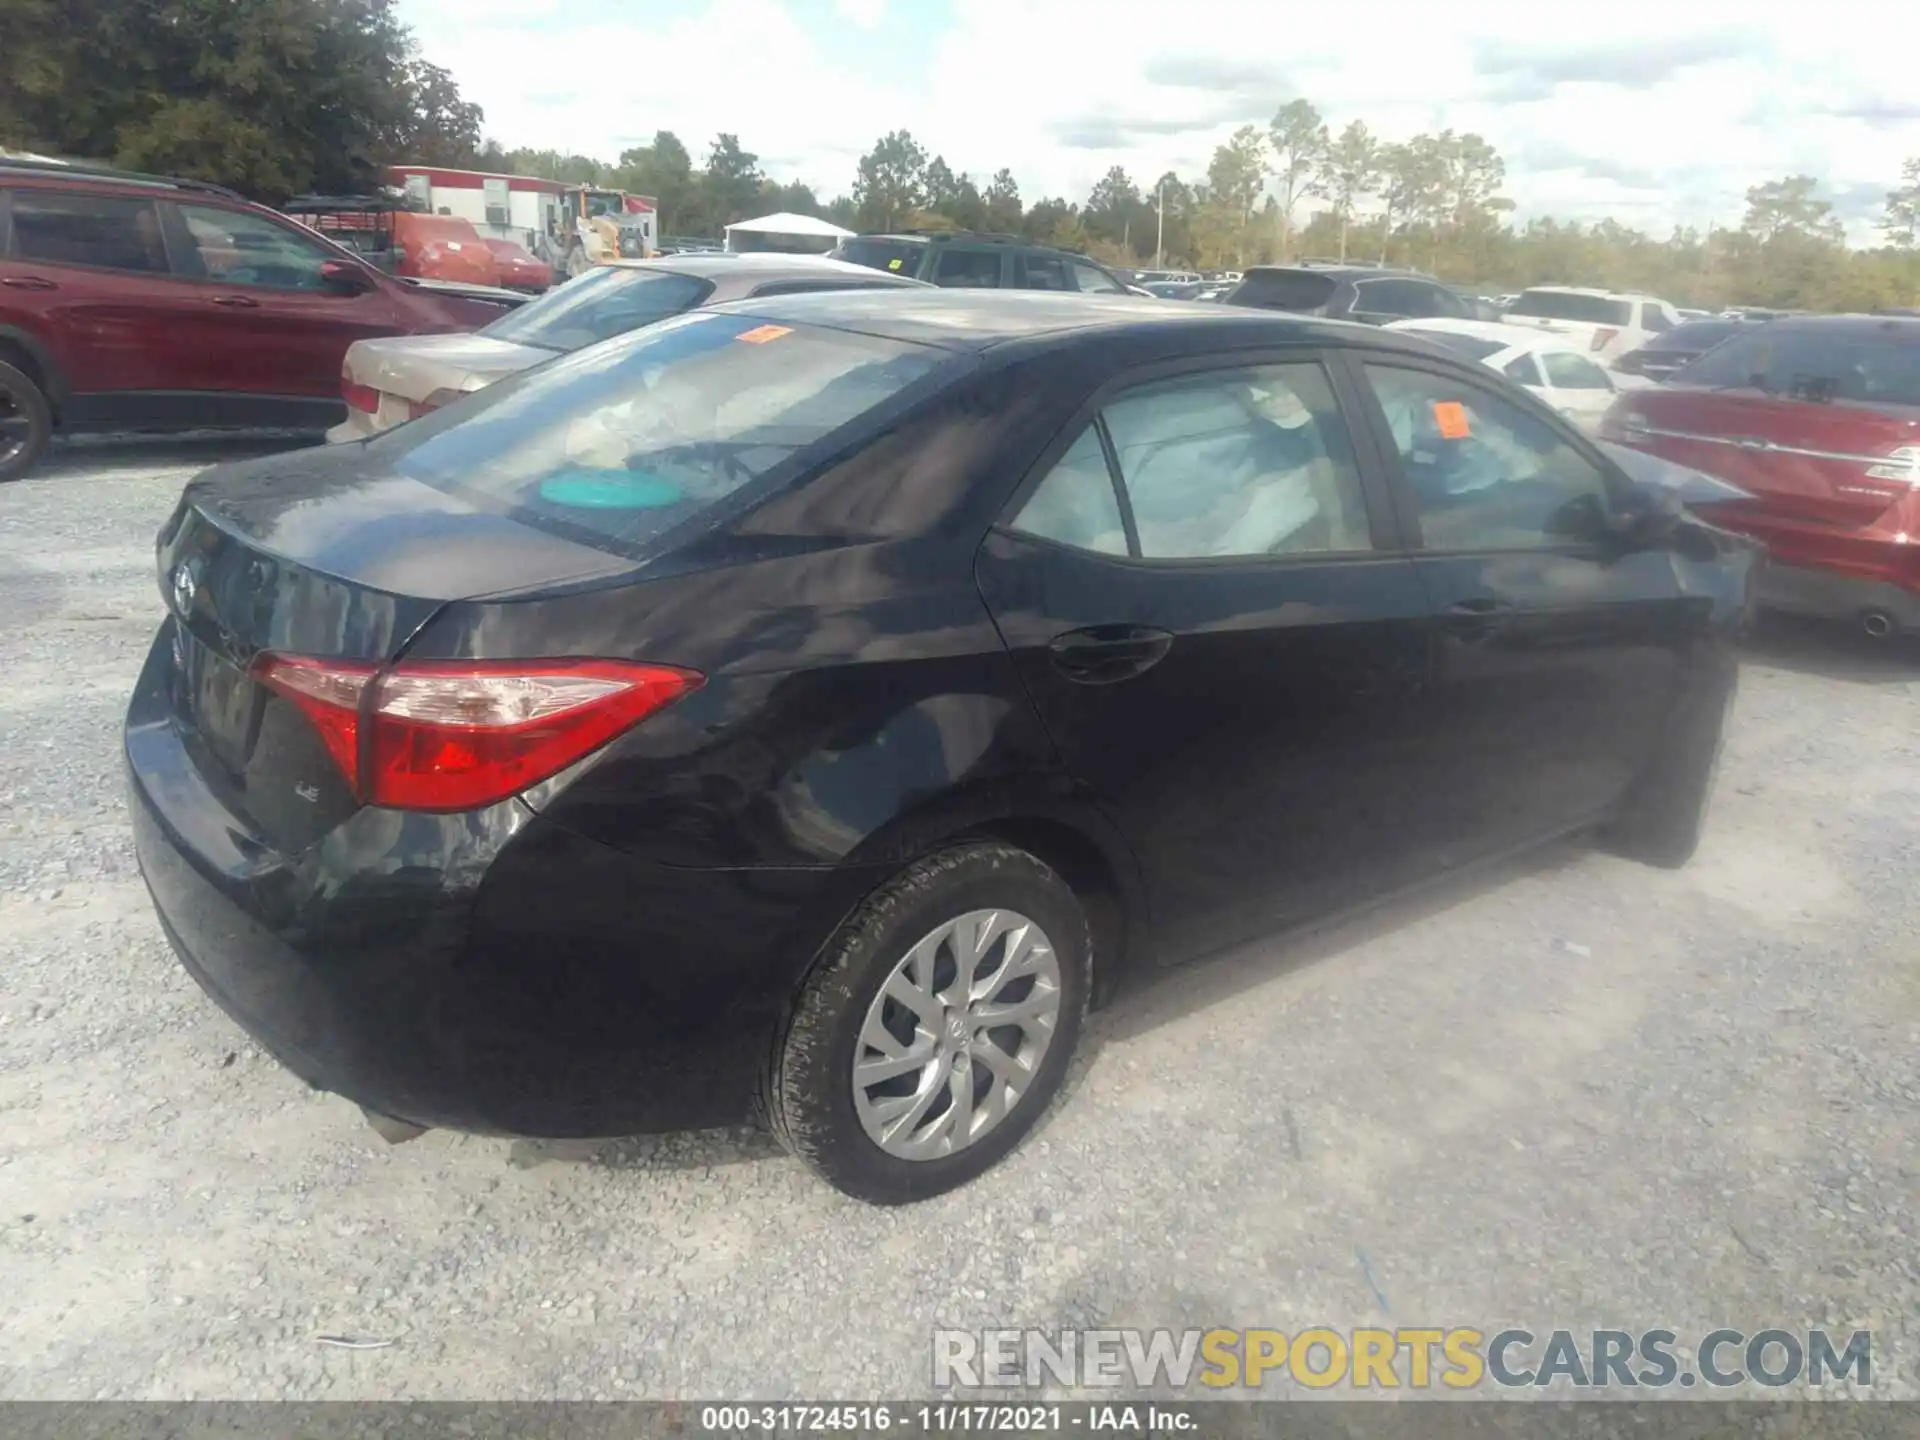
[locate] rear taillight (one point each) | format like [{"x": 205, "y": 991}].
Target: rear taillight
[
  {"x": 359, "y": 397},
  {"x": 1602, "y": 338},
  {"x": 459, "y": 734},
  {"x": 433, "y": 402},
  {"x": 1902, "y": 465}
]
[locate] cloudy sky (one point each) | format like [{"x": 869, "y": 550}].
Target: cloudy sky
[{"x": 1649, "y": 112}]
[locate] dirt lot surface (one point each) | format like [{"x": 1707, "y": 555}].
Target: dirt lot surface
[{"x": 1570, "y": 1093}]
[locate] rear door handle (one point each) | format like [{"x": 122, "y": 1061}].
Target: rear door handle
[
  {"x": 28, "y": 282},
  {"x": 237, "y": 302},
  {"x": 1103, "y": 654}
]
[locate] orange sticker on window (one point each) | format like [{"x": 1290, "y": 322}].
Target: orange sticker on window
[
  {"x": 1451, "y": 417},
  {"x": 761, "y": 334}
]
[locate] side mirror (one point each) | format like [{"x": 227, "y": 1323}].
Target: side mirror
[{"x": 344, "y": 279}]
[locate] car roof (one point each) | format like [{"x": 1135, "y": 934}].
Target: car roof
[
  {"x": 979, "y": 319},
  {"x": 1594, "y": 290},
  {"x": 1368, "y": 272},
  {"x": 43, "y": 169},
  {"x": 1517, "y": 339},
  {"x": 1906, "y": 327},
  {"x": 762, "y": 265}
]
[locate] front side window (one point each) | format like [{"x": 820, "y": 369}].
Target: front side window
[
  {"x": 621, "y": 442},
  {"x": 236, "y": 248},
  {"x": 608, "y": 300},
  {"x": 968, "y": 268},
  {"x": 1484, "y": 473},
  {"x": 1092, "y": 280},
  {"x": 107, "y": 232}
]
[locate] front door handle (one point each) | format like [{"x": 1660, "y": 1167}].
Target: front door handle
[
  {"x": 1103, "y": 654},
  {"x": 28, "y": 282},
  {"x": 237, "y": 302}
]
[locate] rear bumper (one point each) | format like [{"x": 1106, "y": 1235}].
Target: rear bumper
[
  {"x": 489, "y": 971},
  {"x": 1834, "y": 595}
]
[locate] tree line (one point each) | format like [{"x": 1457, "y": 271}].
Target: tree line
[{"x": 276, "y": 97}]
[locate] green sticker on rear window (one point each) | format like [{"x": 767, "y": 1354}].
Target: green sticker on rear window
[{"x": 894, "y": 264}]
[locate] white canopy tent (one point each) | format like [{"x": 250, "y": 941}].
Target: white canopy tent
[{"x": 801, "y": 234}]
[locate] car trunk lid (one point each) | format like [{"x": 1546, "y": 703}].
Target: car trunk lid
[{"x": 302, "y": 556}]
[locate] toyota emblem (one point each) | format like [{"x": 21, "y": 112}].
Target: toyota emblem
[{"x": 186, "y": 584}]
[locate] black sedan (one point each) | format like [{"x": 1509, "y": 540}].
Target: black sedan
[{"x": 809, "y": 706}]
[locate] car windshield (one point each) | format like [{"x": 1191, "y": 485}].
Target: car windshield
[
  {"x": 1571, "y": 305},
  {"x": 603, "y": 202},
  {"x": 607, "y": 301},
  {"x": 1870, "y": 364},
  {"x": 901, "y": 257},
  {"x": 623, "y": 442},
  {"x": 1471, "y": 346}
]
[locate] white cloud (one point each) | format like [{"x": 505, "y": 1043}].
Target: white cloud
[
  {"x": 1653, "y": 112},
  {"x": 864, "y": 13}
]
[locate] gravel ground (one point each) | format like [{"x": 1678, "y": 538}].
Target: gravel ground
[{"x": 1570, "y": 1093}]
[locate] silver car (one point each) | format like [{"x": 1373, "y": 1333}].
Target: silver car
[{"x": 386, "y": 382}]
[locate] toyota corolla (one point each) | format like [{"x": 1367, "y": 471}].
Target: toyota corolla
[{"x": 808, "y": 707}]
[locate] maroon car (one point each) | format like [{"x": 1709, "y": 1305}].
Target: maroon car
[
  {"x": 1817, "y": 419},
  {"x": 134, "y": 302}
]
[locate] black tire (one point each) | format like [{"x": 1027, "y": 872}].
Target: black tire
[
  {"x": 1662, "y": 820},
  {"x": 21, "y": 400},
  {"x": 808, "y": 1092}
]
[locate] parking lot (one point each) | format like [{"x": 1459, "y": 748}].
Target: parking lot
[{"x": 1568, "y": 1093}]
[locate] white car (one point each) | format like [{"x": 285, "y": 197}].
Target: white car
[
  {"x": 1565, "y": 378},
  {"x": 1605, "y": 324}
]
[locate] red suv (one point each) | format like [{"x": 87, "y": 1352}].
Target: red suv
[
  {"x": 138, "y": 303},
  {"x": 1818, "y": 420}
]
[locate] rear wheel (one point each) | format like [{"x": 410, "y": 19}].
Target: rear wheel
[
  {"x": 1664, "y": 815},
  {"x": 26, "y": 423},
  {"x": 937, "y": 1027}
]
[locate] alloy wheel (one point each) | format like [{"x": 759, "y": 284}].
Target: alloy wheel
[{"x": 952, "y": 1042}]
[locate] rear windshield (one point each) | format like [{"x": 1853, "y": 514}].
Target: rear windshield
[
  {"x": 1284, "y": 290},
  {"x": 619, "y": 444},
  {"x": 1565, "y": 305},
  {"x": 1471, "y": 346},
  {"x": 607, "y": 301},
  {"x": 1858, "y": 364},
  {"x": 901, "y": 257}
]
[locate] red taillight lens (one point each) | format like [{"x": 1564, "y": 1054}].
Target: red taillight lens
[
  {"x": 1602, "y": 337},
  {"x": 360, "y": 397},
  {"x": 460, "y": 734}
]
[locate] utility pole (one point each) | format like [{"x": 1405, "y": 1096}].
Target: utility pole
[{"x": 1160, "y": 222}]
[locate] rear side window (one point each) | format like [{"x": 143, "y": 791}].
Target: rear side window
[
  {"x": 1523, "y": 370},
  {"x": 1653, "y": 319},
  {"x": 1860, "y": 364},
  {"x": 1567, "y": 371},
  {"x": 1570, "y": 305},
  {"x": 624, "y": 442},
  {"x": 1248, "y": 462},
  {"x": 899, "y": 257},
  {"x": 108, "y": 232},
  {"x": 1299, "y": 290},
  {"x": 970, "y": 268},
  {"x": 608, "y": 300}
]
